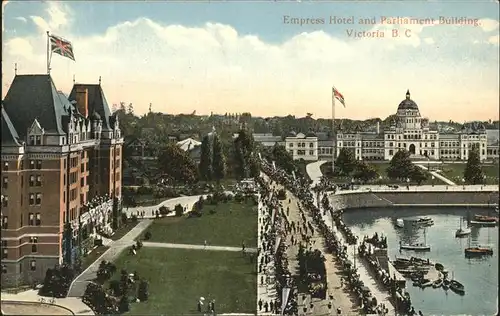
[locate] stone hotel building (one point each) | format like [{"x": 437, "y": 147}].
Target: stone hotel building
[{"x": 61, "y": 174}]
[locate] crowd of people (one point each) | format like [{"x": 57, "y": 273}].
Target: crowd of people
[
  {"x": 272, "y": 259},
  {"x": 300, "y": 187}
]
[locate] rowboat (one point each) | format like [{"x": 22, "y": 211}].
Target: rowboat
[
  {"x": 478, "y": 251},
  {"x": 446, "y": 284},
  {"x": 457, "y": 287}
]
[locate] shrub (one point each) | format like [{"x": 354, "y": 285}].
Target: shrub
[
  {"x": 106, "y": 270},
  {"x": 98, "y": 301},
  {"x": 138, "y": 244},
  {"x": 239, "y": 197},
  {"x": 57, "y": 281},
  {"x": 143, "y": 291},
  {"x": 123, "y": 306},
  {"x": 124, "y": 217},
  {"x": 179, "y": 210},
  {"x": 147, "y": 235},
  {"x": 134, "y": 218},
  {"x": 115, "y": 287},
  {"x": 144, "y": 190},
  {"x": 164, "y": 211}
]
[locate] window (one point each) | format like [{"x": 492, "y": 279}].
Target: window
[
  {"x": 32, "y": 140},
  {"x": 33, "y": 265},
  {"x": 39, "y": 164},
  {"x": 38, "y": 140},
  {"x": 311, "y": 152},
  {"x": 6, "y": 166},
  {"x": 391, "y": 152},
  {"x": 32, "y": 164},
  {"x": 5, "y": 182},
  {"x": 31, "y": 219},
  {"x": 311, "y": 145},
  {"x": 82, "y": 182},
  {"x": 34, "y": 241},
  {"x": 32, "y": 181},
  {"x": 5, "y": 201},
  {"x": 82, "y": 167},
  {"x": 4, "y": 268},
  {"x": 32, "y": 198},
  {"x": 5, "y": 222},
  {"x": 5, "y": 252},
  {"x": 38, "y": 180},
  {"x": 38, "y": 219},
  {"x": 38, "y": 200}
]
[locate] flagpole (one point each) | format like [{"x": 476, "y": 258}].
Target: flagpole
[
  {"x": 334, "y": 142},
  {"x": 48, "y": 53}
]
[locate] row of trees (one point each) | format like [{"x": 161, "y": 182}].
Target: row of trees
[
  {"x": 180, "y": 167},
  {"x": 212, "y": 164}
]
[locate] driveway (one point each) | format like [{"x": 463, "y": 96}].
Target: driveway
[{"x": 314, "y": 171}]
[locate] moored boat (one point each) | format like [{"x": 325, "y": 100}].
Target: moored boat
[
  {"x": 478, "y": 251},
  {"x": 439, "y": 266},
  {"x": 457, "y": 287},
  {"x": 488, "y": 223},
  {"x": 426, "y": 283},
  {"x": 415, "y": 247},
  {"x": 400, "y": 223},
  {"x": 462, "y": 232},
  {"x": 485, "y": 218}
]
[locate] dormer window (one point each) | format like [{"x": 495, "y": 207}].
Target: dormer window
[
  {"x": 38, "y": 140},
  {"x": 32, "y": 140}
]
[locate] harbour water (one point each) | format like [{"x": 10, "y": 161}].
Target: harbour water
[{"x": 479, "y": 276}]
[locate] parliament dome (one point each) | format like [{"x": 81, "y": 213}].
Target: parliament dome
[{"x": 408, "y": 104}]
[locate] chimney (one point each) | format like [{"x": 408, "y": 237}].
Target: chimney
[
  {"x": 378, "y": 127},
  {"x": 82, "y": 101}
]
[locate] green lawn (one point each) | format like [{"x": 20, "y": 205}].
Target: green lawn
[
  {"x": 381, "y": 170},
  {"x": 232, "y": 224},
  {"x": 178, "y": 277},
  {"x": 455, "y": 172}
]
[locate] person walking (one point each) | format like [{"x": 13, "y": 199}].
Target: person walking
[
  {"x": 260, "y": 304},
  {"x": 205, "y": 244}
]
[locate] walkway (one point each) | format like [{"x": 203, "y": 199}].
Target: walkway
[
  {"x": 75, "y": 304},
  {"x": 314, "y": 171},
  {"x": 196, "y": 247},
  {"x": 381, "y": 295},
  {"x": 186, "y": 201},
  {"x": 437, "y": 175},
  {"x": 265, "y": 291},
  {"x": 78, "y": 286}
]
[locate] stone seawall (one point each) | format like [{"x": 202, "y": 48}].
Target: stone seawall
[{"x": 389, "y": 199}]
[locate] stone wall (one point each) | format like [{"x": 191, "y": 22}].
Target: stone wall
[{"x": 388, "y": 199}]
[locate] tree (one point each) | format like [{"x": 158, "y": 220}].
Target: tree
[
  {"x": 473, "y": 174},
  {"x": 124, "y": 306},
  {"x": 95, "y": 297},
  {"x": 345, "y": 162},
  {"x": 143, "y": 292},
  {"x": 206, "y": 156},
  {"x": 177, "y": 164},
  {"x": 130, "y": 109},
  {"x": 400, "y": 166},
  {"x": 243, "y": 152},
  {"x": 283, "y": 158},
  {"x": 365, "y": 172},
  {"x": 57, "y": 281},
  {"x": 219, "y": 159},
  {"x": 418, "y": 175}
]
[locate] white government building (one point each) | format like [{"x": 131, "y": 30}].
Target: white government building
[{"x": 409, "y": 130}]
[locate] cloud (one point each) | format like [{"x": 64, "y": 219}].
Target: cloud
[
  {"x": 58, "y": 17},
  {"x": 488, "y": 25},
  {"x": 213, "y": 67},
  {"x": 22, "y": 19}
]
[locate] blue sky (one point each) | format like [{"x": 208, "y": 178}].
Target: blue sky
[{"x": 239, "y": 56}]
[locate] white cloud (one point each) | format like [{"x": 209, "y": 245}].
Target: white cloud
[
  {"x": 215, "y": 68},
  {"x": 22, "y": 19},
  {"x": 58, "y": 18},
  {"x": 488, "y": 25}
]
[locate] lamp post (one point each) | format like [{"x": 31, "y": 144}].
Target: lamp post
[
  {"x": 380, "y": 180},
  {"x": 432, "y": 180},
  {"x": 463, "y": 183},
  {"x": 352, "y": 184}
]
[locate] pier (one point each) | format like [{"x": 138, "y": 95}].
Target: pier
[
  {"x": 381, "y": 295},
  {"x": 400, "y": 279}
]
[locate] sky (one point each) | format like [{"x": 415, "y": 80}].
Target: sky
[{"x": 237, "y": 56}]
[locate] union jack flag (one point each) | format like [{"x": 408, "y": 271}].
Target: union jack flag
[
  {"x": 337, "y": 95},
  {"x": 61, "y": 46}
]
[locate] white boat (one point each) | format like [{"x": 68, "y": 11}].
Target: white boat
[
  {"x": 462, "y": 232},
  {"x": 400, "y": 223},
  {"x": 416, "y": 247},
  {"x": 483, "y": 223}
]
